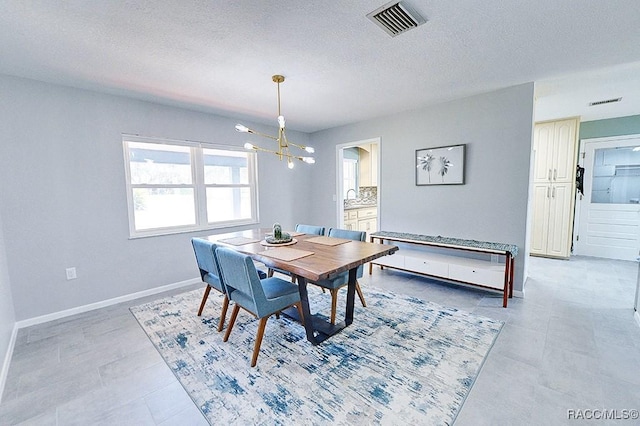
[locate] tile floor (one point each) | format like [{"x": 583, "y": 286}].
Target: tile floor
[{"x": 571, "y": 344}]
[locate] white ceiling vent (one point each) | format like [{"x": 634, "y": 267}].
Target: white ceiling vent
[
  {"x": 396, "y": 18},
  {"x": 606, "y": 101}
]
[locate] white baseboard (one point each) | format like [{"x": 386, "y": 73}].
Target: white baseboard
[
  {"x": 97, "y": 305},
  {"x": 7, "y": 360}
]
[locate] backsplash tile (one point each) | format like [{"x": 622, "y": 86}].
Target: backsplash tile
[{"x": 367, "y": 195}]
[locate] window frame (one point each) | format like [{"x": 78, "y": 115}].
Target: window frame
[{"x": 198, "y": 185}]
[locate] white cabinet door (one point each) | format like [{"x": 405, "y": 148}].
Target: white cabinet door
[
  {"x": 565, "y": 159},
  {"x": 560, "y": 223},
  {"x": 540, "y": 218},
  {"x": 543, "y": 147}
]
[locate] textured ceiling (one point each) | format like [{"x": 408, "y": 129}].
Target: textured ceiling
[{"x": 218, "y": 56}]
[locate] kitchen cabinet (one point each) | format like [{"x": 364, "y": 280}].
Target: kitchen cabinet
[
  {"x": 361, "y": 219},
  {"x": 555, "y": 162},
  {"x": 351, "y": 219}
]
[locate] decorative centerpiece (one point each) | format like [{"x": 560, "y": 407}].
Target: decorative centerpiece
[{"x": 278, "y": 236}]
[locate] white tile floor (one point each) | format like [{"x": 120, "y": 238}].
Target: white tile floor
[{"x": 571, "y": 344}]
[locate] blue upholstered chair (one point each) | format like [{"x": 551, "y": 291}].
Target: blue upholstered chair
[
  {"x": 310, "y": 229},
  {"x": 210, "y": 274},
  {"x": 333, "y": 284},
  {"x": 306, "y": 229},
  {"x": 262, "y": 298}
]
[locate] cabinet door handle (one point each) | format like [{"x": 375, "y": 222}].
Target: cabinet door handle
[
  {"x": 555, "y": 174},
  {"x": 553, "y": 193},
  {"x": 549, "y": 174},
  {"x": 548, "y": 188}
]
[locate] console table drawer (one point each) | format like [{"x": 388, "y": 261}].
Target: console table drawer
[
  {"x": 426, "y": 266},
  {"x": 488, "y": 277},
  {"x": 393, "y": 261}
]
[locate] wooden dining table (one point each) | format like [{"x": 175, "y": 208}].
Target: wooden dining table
[{"x": 309, "y": 258}]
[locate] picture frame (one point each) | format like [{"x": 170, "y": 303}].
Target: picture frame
[{"x": 443, "y": 165}]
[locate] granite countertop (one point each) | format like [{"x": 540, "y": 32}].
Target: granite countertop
[
  {"x": 359, "y": 206},
  {"x": 511, "y": 248}
]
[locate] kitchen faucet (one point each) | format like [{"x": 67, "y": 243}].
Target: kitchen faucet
[{"x": 354, "y": 193}]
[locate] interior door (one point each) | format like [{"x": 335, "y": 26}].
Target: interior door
[{"x": 609, "y": 217}]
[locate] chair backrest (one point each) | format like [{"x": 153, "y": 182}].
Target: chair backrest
[
  {"x": 310, "y": 229},
  {"x": 350, "y": 235},
  {"x": 241, "y": 279},
  {"x": 207, "y": 262},
  {"x": 345, "y": 233}
]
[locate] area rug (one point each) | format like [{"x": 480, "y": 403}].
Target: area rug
[{"x": 402, "y": 361}]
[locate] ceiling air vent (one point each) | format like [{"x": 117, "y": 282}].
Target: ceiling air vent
[
  {"x": 606, "y": 101},
  {"x": 396, "y": 18}
]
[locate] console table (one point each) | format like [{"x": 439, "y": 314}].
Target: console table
[{"x": 452, "y": 266}]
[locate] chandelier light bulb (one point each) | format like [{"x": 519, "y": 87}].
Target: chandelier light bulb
[
  {"x": 309, "y": 149},
  {"x": 241, "y": 128},
  {"x": 309, "y": 160},
  {"x": 248, "y": 146},
  {"x": 281, "y": 121},
  {"x": 290, "y": 163}
]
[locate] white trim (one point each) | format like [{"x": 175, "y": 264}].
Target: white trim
[
  {"x": 198, "y": 186},
  {"x": 7, "y": 360},
  {"x": 97, "y": 305},
  {"x": 636, "y": 315}
]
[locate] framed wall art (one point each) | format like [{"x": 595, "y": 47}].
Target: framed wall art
[{"x": 443, "y": 165}]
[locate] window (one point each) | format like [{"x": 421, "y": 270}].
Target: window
[
  {"x": 350, "y": 177},
  {"x": 616, "y": 176},
  {"x": 177, "y": 186}
]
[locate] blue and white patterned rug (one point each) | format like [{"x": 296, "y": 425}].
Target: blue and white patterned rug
[{"x": 402, "y": 361}]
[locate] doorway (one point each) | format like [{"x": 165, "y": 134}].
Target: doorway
[
  {"x": 358, "y": 185},
  {"x": 608, "y": 210}
]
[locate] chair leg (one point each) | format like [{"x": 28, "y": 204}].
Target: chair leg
[
  {"x": 256, "y": 348},
  {"x": 204, "y": 299},
  {"x": 360, "y": 295},
  {"x": 334, "y": 304},
  {"x": 223, "y": 314},
  {"x": 269, "y": 273},
  {"x": 234, "y": 315}
]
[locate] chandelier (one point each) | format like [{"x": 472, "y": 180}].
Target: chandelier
[{"x": 283, "y": 143}]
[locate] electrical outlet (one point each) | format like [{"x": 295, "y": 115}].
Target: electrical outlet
[{"x": 71, "y": 273}]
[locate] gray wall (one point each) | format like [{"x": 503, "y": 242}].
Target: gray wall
[
  {"x": 492, "y": 205},
  {"x": 63, "y": 199},
  {"x": 610, "y": 127}
]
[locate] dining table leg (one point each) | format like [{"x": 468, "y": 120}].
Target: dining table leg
[
  {"x": 351, "y": 294},
  {"x": 306, "y": 311}
]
